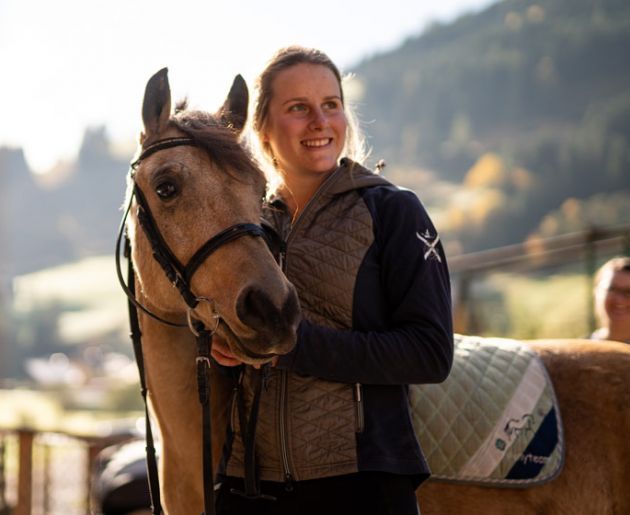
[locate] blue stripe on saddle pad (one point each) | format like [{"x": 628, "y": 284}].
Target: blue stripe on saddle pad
[
  {"x": 539, "y": 450},
  {"x": 494, "y": 421}
]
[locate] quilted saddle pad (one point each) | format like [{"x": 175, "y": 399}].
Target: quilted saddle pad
[{"x": 494, "y": 421}]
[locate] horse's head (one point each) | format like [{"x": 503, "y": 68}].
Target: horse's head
[{"x": 192, "y": 181}]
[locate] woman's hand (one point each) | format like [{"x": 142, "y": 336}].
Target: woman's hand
[{"x": 222, "y": 353}]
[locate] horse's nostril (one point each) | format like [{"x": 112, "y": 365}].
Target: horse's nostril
[
  {"x": 256, "y": 309},
  {"x": 249, "y": 302}
]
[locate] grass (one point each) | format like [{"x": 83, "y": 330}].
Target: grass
[
  {"x": 530, "y": 307},
  {"x": 43, "y": 411}
]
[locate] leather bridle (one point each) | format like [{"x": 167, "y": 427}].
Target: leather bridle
[{"x": 180, "y": 276}]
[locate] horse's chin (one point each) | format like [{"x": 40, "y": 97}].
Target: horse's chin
[{"x": 240, "y": 349}]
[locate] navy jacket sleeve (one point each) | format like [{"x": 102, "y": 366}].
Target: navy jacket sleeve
[{"x": 402, "y": 329}]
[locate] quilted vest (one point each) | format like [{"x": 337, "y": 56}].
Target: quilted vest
[{"x": 307, "y": 426}]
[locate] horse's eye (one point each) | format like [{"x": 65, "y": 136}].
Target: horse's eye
[{"x": 166, "y": 190}]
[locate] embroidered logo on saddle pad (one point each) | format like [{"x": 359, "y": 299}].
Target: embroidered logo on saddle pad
[{"x": 495, "y": 420}]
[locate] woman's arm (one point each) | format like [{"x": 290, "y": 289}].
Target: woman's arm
[{"x": 415, "y": 343}]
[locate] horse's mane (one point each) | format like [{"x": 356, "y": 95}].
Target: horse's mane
[{"x": 219, "y": 140}]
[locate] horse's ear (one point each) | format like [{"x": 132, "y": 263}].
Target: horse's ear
[
  {"x": 234, "y": 110},
  {"x": 156, "y": 107}
]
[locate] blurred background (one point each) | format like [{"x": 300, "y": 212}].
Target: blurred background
[{"x": 509, "y": 119}]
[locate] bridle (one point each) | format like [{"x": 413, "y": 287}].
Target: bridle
[{"x": 180, "y": 276}]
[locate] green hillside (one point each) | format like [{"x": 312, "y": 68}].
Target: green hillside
[{"x": 542, "y": 86}]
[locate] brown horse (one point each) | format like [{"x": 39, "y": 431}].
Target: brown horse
[
  {"x": 196, "y": 191},
  {"x": 592, "y": 384},
  {"x": 196, "y": 180}
]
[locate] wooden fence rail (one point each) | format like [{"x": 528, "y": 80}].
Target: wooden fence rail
[
  {"x": 586, "y": 247},
  {"x": 48, "y": 473}
]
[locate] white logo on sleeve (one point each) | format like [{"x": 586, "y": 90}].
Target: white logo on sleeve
[{"x": 430, "y": 243}]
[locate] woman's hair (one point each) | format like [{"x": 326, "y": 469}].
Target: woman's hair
[
  {"x": 604, "y": 274},
  {"x": 286, "y": 58}
]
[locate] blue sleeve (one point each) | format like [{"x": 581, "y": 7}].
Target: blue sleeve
[{"x": 412, "y": 342}]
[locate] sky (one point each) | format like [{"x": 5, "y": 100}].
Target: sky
[{"x": 66, "y": 65}]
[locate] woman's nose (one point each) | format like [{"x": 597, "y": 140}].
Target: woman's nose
[{"x": 318, "y": 119}]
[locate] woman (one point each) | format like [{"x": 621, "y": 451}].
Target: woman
[
  {"x": 612, "y": 300},
  {"x": 334, "y": 432}
]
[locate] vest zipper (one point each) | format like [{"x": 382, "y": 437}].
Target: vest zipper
[
  {"x": 358, "y": 399},
  {"x": 284, "y": 447}
]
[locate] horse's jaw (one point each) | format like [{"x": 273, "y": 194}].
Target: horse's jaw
[{"x": 257, "y": 349}]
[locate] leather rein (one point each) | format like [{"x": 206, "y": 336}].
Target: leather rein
[{"x": 180, "y": 276}]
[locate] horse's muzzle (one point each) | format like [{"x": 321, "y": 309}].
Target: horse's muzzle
[{"x": 275, "y": 326}]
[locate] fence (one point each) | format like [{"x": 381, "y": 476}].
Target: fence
[
  {"x": 586, "y": 249},
  {"x": 46, "y": 473}
]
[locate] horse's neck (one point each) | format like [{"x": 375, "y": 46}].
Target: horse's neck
[
  {"x": 169, "y": 361},
  {"x": 169, "y": 356}
]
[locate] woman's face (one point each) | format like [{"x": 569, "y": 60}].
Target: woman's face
[
  {"x": 617, "y": 299},
  {"x": 306, "y": 123}
]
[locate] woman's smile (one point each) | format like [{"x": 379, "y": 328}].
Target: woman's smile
[{"x": 316, "y": 143}]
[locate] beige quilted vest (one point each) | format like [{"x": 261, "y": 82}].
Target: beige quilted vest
[{"x": 307, "y": 426}]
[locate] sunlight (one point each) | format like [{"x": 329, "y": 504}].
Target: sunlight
[{"x": 94, "y": 73}]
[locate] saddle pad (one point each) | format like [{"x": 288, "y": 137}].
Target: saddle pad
[{"x": 494, "y": 421}]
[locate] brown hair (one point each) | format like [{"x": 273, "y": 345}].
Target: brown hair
[{"x": 286, "y": 58}]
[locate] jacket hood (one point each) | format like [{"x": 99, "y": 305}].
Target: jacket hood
[
  {"x": 352, "y": 176},
  {"x": 348, "y": 176}
]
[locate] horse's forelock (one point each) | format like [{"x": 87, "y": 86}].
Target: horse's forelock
[{"x": 219, "y": 141}]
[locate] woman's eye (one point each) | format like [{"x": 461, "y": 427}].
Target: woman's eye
[
  {"x": 331, "y": 105},
  {"x": 166, "y": 190},
  {"x": 297, "y": 108}
]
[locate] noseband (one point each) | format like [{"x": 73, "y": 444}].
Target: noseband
[{"x": 180, "y": 276}]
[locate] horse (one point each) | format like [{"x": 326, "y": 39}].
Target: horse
[
  {"x": 591, "y": 380},
  {"x": 194, "y": 196},
  {"x": 198, "y": 180}
]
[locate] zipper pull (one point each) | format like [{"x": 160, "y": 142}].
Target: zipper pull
[{"x": 288, "y": 482}]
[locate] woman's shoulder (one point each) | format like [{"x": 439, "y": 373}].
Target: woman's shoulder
[{"x": 390, "y": 197}]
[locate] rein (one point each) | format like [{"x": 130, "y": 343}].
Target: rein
[{"x": 180, "y": 276}]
